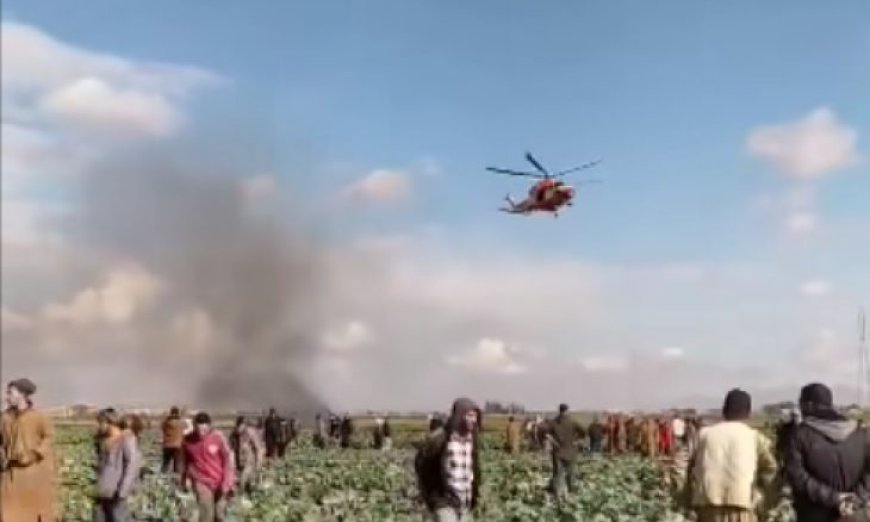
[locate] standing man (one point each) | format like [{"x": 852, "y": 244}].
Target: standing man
[
  {"x": 292, "y": 431},
  {"x": 784, "y": 433},
  {"x": 320, "y": 432},
  {"x": 436, "y": 422},
  {"x": 564, "y": 435},
  {"x": 827, "y": 460},
  {"x": 334, "y": 428},
  {"x": 346, "y": 431},
  {"x": 173, "y": 436},
  {"x": 733, "y": 465},
  {"x": 118, "y": 464},
  {"x": 666, "y": 438},
  {"x": 448, "y": 465},
  {"x": 678, "y": 428},
  {"x": 378, "y": 434},
  {"x": 388, "y": 434},
  {"x": 27, "y": 483},
  {"x": 209, "y": 466},
  {"x": 597, "y": 434},
  {"x": 274, "y": 434},
  {"x": 512, "y": 436},
  {"x": 248, "y": 452}
]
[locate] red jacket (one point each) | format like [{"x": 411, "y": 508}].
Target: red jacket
[
  {"x": 209, "y": 461},
  {"x": 666, "y": 438}
]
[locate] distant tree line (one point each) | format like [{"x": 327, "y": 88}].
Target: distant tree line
[{"x": 498, "y": 408}]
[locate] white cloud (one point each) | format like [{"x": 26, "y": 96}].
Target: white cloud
[
  {"x": 350, "y": 338},
  {"x": 604, "y": 363},
  {"x": 259, "y": 188},
  {"x": 14, "y": 321},
  {"x": 815, "y": 288},
  {"x": 381, "y": 186},
  {"x": 94, "y": 104},
  {"x": 55, "y": 95},
  {"x": 124, "y": 293},
  {"x": 673, "y": 352},
  {"x": 489, "y": 356},
  {"x": 808, "y": 148},
  {"x": 25, "y": 222},
  {"x": 802, "y": 223},
  {"x": 828, "y": 357},
  {"x": 34, "y": 63},
  {"x": 425, "y": 298}
]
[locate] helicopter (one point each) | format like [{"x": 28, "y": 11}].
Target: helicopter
[{"x": 550, "y": 194}]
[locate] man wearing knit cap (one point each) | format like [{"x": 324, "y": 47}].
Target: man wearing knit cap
[
  {"x": 827, "y": 461},
  {"x": 27, "y": 484},
  {"x": 448, "y": 465},
  {"x": 732, "y": 465}
]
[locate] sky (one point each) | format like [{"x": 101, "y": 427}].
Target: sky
[{"x": 727, "y": 245}]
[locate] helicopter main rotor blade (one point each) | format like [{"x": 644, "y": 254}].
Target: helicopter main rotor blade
[
  {"x": 588, "y": 181},
  {"x": 513, "y": 172},
  {"x": 581, "y": 167},
  {"x": 537, "y": 165}
]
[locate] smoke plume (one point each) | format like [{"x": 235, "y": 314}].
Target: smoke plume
[{"x": 242, "y": 263}]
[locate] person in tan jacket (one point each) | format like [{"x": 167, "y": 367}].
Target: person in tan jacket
[
  {"x": 732, "y": 467},
  {"x": 649, "y": 437},
  {"x": 512, "y": 436},
  {"x": 28, "y": 483},
  {"x": 173, "y": 436}
]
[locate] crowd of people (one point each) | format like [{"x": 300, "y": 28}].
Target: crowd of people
[
  {"x": 620, "y": 434},
  {"x": 733, "y": 472}
]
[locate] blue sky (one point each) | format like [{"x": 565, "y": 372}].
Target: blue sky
[
  {"x": 666, "y": 93},
  {"x": 669, "y": 94}
]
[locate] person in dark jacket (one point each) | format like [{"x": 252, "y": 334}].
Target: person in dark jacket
[
  {"x": 564, "y": 434},
  {"x": 292, "y": 431},
  {"x": 435, "y": 423},
  {"x": 387, "y": 431},
  {"x": 274, "y": 435},
  {"x": 597, "y": 434},
  {"x": 334, "y": 427},
  {"x": 321, "y": 432},
  {"x": 448, "y": 465},
  {"x": 347, "y": 429},
  {"x": 784, "y": 432},
  {"x": 828, "y": 460}
]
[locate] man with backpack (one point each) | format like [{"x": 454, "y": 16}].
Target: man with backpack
[{"x": 827, "y": 461}]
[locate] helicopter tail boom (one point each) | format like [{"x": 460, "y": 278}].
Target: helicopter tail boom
[{"x": 512, "y": 205}]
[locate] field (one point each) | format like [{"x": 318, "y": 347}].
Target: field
[{"x": 368, "y": 485}]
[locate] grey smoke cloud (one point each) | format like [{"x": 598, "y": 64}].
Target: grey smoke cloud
[{"x": 185, "y": 219}]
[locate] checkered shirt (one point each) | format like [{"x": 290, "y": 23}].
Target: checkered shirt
[{"x": 458, "y": 467}]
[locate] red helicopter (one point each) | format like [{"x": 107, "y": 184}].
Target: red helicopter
[{"x": 547, "y": 195}]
